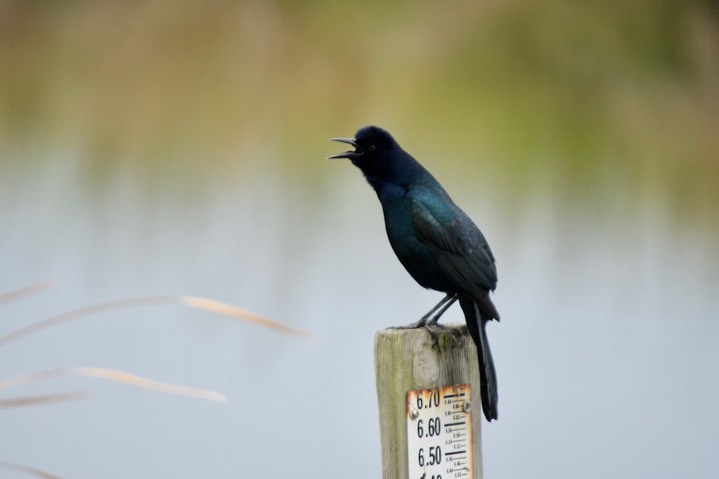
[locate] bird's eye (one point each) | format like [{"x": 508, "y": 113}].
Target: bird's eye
[{"x": 371, "y": 148}]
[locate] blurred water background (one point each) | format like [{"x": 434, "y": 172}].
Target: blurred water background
[{"x": 178, "y": 147}]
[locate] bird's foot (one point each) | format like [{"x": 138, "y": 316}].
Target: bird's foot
[
  {"x": 416, "y": 325},
  {"x": 430, "y": 326},
  {"x": 430, "y": 319},
  {"x": 432, "y": 323},
  {"x": 456, "y": 332},
  {"x": 434, "y": 330}
]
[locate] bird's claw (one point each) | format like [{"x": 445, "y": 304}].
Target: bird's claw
[
  {"x": 433, "y": 330},
  {"x": 432, "y": 327},
  {"x": 456, "y": 332},
  {"x": 416, "y": 325}
]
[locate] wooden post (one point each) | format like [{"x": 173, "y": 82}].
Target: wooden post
[{"x": 405, "y": 359}]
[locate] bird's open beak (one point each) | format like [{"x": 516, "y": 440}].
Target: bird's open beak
[{"x": 347, "y": 154}]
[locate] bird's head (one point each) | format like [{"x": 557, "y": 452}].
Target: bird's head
[{"x": 374, "y": 150}]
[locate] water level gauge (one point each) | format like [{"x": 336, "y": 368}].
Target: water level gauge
[{"x": 439, "y": 433}]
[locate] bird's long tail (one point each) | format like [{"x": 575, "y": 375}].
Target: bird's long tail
[{"x": 476, "y": 322}]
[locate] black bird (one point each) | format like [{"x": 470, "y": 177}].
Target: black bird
[{"x": 436, "y": 242}]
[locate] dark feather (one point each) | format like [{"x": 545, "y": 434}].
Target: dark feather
[{"x": 476, "y": 323}]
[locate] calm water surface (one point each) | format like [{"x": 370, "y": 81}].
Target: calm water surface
[{"x": 606, "y": 352}]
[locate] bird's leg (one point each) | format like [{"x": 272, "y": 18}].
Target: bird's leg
[
  {"x": 431, "y": 324},
  {"x": 428, "y": 320},
  {"x": 444, "y": 304}
]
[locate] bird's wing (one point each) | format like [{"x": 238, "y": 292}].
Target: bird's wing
[
  {"x": 465, "y": 256},
  {"x": 437, "y": 225}
]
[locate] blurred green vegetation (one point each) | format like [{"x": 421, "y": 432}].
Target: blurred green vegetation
[{"x": 573, "y": 94}]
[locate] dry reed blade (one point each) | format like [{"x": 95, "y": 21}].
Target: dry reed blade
[
  {"x": 231, "y": 311},
  {"x": 116, "y": 376},
  {"x": 30, "y": 471},
  {"x": 24, "y": 291},
  {"x": 43, "y": 399},
  {"x": 213, "y": 306}
]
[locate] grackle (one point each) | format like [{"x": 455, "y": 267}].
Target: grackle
[{"x": 436, "y": 242}]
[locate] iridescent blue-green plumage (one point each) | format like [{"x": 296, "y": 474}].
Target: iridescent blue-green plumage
[{"x": 436, "y": 242}]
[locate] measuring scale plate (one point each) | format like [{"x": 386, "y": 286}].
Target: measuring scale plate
[{"x": 439, "y": 433}]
